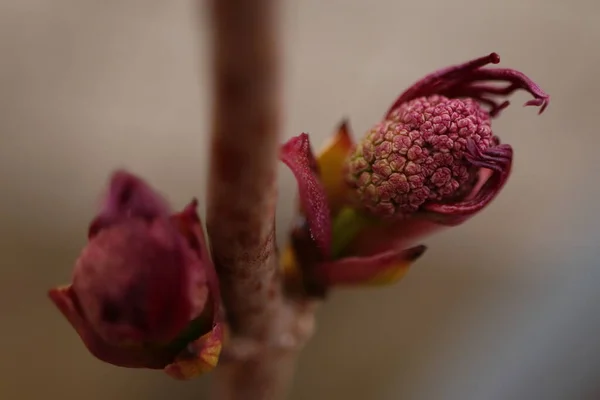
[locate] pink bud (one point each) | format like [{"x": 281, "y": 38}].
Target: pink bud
[
  {"x": 429, "y": 152},
  {"x": 417, "y": 155},
  {"x": 136, "y": 280},
  {"x": 143, "y": 280}
]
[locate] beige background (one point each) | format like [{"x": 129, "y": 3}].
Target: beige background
[{"x": 506, "y": 307}]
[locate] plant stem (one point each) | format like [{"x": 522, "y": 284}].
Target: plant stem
[{"x": 241, "y": 201}]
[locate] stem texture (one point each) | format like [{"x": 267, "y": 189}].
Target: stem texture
[{"x": 241, "y": 204}]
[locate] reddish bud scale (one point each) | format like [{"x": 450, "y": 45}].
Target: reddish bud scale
[{"x": 131, "y": 283}]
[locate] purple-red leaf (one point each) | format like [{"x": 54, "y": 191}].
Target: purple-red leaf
[
  {"x": 297, "y": 155},
  {"x": 386, "y": 267}
]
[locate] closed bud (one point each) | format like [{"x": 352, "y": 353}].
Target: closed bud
[{"x": 143, "y": 288}]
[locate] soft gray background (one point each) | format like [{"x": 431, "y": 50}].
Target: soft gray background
[{"x": 506, "y": 307}]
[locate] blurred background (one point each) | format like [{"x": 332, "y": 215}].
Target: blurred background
[{"x": 506, "y": 306}]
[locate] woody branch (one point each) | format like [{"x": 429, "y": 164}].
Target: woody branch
[{"x": 242, "y": 198}]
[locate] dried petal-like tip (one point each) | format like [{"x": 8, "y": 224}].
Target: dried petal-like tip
[
  {"x": 463, "y": 80},
  {"x": 383, "y": 268},
  {"x": 298, "y": 156}
]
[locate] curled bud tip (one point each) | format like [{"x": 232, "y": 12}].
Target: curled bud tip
[
  {"x": 464, "y": 80},
  {"x": 541, "y": 102}
]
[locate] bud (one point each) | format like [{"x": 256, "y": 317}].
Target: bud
[
  {"x": 143, "y": 288},
  {"x": 428, "y": 152},
  {"x": 433, "y": 161},
  {"x": 311, "y": 261},
  {"x": 416, "y": 155}
]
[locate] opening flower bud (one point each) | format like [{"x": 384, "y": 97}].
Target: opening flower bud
[
  {"x": 432, "y": 162},
  {"x": 429, "y": 152}
]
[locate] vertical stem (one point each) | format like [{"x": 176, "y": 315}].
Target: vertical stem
[
  {"x": 244, "y": 153},
  {"x": 242, "y": 197}
]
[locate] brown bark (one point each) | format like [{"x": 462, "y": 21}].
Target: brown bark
[{"x": 241, "y": 204}]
